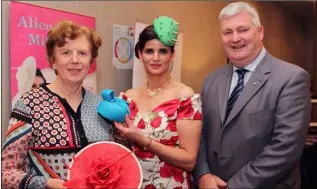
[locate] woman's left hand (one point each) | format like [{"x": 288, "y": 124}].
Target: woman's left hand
[{"x": 129, "y": 131}]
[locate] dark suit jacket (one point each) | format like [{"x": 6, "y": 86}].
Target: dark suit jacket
[{"x": 260, "y": 143}]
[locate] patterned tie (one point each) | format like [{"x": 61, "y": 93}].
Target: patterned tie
[{"x": 237, "y": 90}]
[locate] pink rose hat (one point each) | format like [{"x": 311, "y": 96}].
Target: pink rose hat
[{"x": 104, "y": 165}]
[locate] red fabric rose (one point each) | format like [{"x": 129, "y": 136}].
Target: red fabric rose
[
  {"x": 103, "y": 177},
  {"x": 186, "y": 109},
  {"x": 186, "y": 102},
  {"x": 178, "y": 187},
  {"x": 141, "y": 124},
  {"x": 168, "y": 171},
  {"x": 100, "y": 175},
  {"x": 143, "y": 154},
  {"x": 150, "y": 186},
  {"x": 133, "y": 109},
  {"x": 124, "y": 97},
  {"x": 168, "y": 107},
  {"x": 170, "y": 142},
  {"x": 172, "y": 126},
  {"x": 156, "y": 122},
  {"x": 104, "y": 165},
  {"x": 197, "y": 116}
]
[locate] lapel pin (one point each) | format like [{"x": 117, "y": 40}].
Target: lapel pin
[{"x": 254, "y": 83}]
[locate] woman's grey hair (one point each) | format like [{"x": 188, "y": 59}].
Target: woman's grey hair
[{"x": 238, "y": 7}]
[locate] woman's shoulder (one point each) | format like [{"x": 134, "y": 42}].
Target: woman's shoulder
[
  {"x": 184, "y": 90},
  {"x": 34, "y": 93},
  {"x": 130, "y": 93},
  {"x": 92, "y": 97},
  {"x": 30, "y": 99},
  {"x": 35, "y": 96},
  {"x": 187, "y": 94}
]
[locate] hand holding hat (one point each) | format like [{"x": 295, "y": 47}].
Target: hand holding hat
[{"x": 113, "y": 108}]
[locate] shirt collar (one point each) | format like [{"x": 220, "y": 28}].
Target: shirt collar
[{"x": 251, "y": 67}]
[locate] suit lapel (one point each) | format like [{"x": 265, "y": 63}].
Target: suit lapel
[
  {"x": 256, "y": 81},
  {"x": 223, "y": 90}
]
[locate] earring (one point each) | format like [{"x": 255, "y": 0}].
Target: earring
[{"x": 170, "y": 67}]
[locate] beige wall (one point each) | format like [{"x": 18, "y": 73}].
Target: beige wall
[{"x": 202, "y": 50}]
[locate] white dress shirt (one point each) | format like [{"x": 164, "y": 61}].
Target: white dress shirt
[{"x": 250, "y": 67}]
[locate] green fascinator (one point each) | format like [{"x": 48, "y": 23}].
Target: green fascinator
[{"x": 167, "y": 30}]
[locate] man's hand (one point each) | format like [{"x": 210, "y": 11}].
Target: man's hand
[
  {"x": 55, "y": 184},
  {"x": 210, "y": 181}
]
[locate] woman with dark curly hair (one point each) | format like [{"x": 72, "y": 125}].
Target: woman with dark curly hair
[{"x": 50, "y": 124}]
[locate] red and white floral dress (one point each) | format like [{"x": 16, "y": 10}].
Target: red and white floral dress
[{"x": 160, "y": 125}]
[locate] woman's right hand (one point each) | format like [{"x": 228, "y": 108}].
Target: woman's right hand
[{"x": 55, "y": 184}]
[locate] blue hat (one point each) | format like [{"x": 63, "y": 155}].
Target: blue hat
[{"x": 113, "y": 108}]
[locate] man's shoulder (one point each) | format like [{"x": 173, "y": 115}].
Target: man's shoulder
[
  {"x": 283, "y": 67},
  {"x": 216, "y": 73}
]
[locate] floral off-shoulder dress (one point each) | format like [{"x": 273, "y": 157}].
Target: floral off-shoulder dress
[{"x": 160, "y": 125}]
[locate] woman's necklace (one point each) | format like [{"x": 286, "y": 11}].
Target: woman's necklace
[{"x": 153, "y": 93}]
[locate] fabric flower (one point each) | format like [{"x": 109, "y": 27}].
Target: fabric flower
[
  {"x": 141, "y": 124},
  {"x": 143, "y": 154},
  {"x": 106, "y": 165},
  {"x": 133, "y": 109},
  {"x": 178, "y": 187},
  {"x": 197, "y": 116},
  {"x": 169, "y": 107},
  {"x": 156, "y": 122},
  {"x": 104, "y": 176},
  {"x": 170, "y": 142},
  {"x": 172, "y": 126},
  {"x": 186, "y": 109},
  {"x": 123, "y": 97},
  {"x": 150, "y": 186},
  {"x": 168, "y": 171}
]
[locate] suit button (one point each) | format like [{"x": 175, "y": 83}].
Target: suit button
[{"x": 215, "y": 153}]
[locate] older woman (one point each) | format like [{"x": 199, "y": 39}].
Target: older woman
[
  {"x": 165, "y": 119},
  {"x": 49, "y": 125}
]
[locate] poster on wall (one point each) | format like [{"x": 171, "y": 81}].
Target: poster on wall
[
  {"x": 29, "y": 25},
  {"x": 139, "y": 77},
  {"x": 122, "y": 46}
]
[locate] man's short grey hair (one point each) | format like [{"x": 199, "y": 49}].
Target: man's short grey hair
[{"x": 238, "y": 7}]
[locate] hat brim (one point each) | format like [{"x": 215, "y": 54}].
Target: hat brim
[
  {"x": 130, "y": 173},
  {"x": 26, "y": 74}
]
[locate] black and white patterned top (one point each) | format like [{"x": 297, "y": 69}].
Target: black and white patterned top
[{"x": 44, "y": 135}]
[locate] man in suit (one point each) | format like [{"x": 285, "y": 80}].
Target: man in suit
[{"x": 256, "y": 112}]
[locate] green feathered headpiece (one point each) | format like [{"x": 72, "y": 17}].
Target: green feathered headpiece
[{"x": 167, "y": 30}]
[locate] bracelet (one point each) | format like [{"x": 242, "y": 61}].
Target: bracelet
[{"x": 147, "y": 147}]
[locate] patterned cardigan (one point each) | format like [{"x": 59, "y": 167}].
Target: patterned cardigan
[{"x": 42, "y": 137}]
